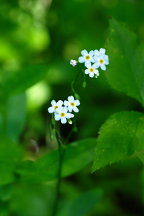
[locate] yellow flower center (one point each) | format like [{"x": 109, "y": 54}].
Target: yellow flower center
[
  {"x": 87, "y": 57},
  {"x": 72, "y": 103},
  {"x": 91, "y": 69},
  {"x": 101, "y": 61},
  {"x": 55, "y": 107},
  {"x": 62, "y": 114}
]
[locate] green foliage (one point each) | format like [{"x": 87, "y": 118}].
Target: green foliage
[
  {"x": 76, "y": 156},
  {"x": 26, "y": 77},
  {"x": 34, "y": 34},
  {"x": 13, "y": 116},
  {"x": 120, "y": 137},
  {"x": 83, "y": 204},
  {"x": 9, "y": 158},
  {"x": 126, "y": 68}
]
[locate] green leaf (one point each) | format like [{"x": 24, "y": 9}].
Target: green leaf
[
  {"x": 125, "y": 72},
  {"x": 77, "y": 155},
  {"x": 9, "y": 158},
  {"x": 82, "y": 205},
  {"x": 25, "y": 78},
  {"x": 122, "y": 136},
  {"x": 12, "y": 116}
]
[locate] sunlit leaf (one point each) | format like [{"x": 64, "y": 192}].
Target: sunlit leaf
[{"x": 24, "y": 78}]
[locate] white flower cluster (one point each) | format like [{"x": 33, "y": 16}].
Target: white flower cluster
[
  {"x": 63, "y": 109},
  {"x": 93, "y": 60}
]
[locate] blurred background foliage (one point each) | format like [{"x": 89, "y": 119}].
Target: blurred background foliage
[{"x": 37, "y": 40}]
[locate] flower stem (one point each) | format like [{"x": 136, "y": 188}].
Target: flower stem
[
  {"x": 73, "y": 88},
  {"x": 59, "y": 173}
]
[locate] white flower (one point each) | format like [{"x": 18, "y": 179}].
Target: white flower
[
  {"x": 101, "y": 60},
  {"x": 86, "y": 57},
  {"x": 72, "y": 104},
  {"x": 73, "y": 62},
  {"x": 55, "y": 106},
  {"x": 100, "y": 52},
  {"x": 62, "y": 114},
  {"x": 91, "y": 70}
]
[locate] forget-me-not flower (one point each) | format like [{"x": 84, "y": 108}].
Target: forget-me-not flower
[
  {"x": 72, "y": 104},
  {"x": 55, "y": 106},
  {"x": 91, "y": 70},
  {"x": 63, "y": 115},
  {"x": 101, "y": 60},
  {"x": 86, "y": 57}
]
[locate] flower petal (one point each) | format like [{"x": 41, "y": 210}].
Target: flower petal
[
  {"x": 75, "y": 109},
  {"x": 96, "y": 72},
  {"x": 57, "y": 117},
  {"x": 91, "y": 75},
  {"x": 103, "y": 67},
  {"x": 96, "y": 52},
  {"x": 53, "y": 102},
  {"x": 88, "y": 64},
  {"x": 92, "y": 60},
  {"x": 70, "y": 98},
  {"x": 87, "y": 71},
  {"x": 66, "y": 103},
  {"x": 77, "y": 102},
  {"x": 70, "y": 109},
  {"x": 50, "y": 109},
  {"x": 63, "y": 120},
  {"x": 102, "y": 51},
  {"x": 81, "y": 59},
  {"x": 60, "y": 103},
  {"x": 91, "y": 52},
  {"x": 69, "y": 115},
  {"x": 84, "y": 52},
  {"x": 96, "y": 65},
  {"x": 65, "y": 109}
]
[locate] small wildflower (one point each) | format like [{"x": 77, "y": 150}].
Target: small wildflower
[
  {"x": 55, "y": 106},
  {"x": 101, "y": 60},
  {"x": 99, "y": 52},
  {"x": 86, "y": 57},
  {"x": 72, "y": 104},
  {"x": 91, "y": 70},
  {"x": 63, "y": 115},
  {"x": 73, "y": 62}
]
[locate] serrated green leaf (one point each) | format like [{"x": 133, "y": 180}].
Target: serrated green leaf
[
  {"x": 24, "y": 78},
  {"x": 122, "y": 136},
  {"x": 125, "y": 72},
  {"x": 77, "y": 155}
]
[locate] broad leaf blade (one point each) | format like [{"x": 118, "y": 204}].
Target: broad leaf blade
[
  {"x": 125, "y": 72},
  {"x": 120, "y": 137},
  {"x": 77, "y": 155}
]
